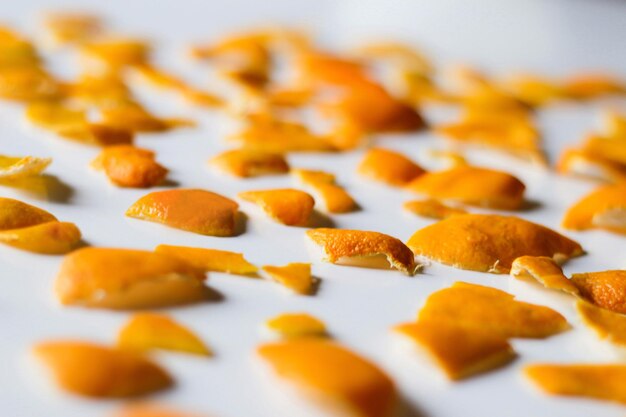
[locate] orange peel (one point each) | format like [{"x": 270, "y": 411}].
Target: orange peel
[
  {"x": 604, "y": 208},
  {"x": 296, "y": 325},
  {"x": 389, "y": 167},
  {"x": 544, "y": 270},
  {"x": 211, "y": 259},
  {"x": 286, "y": 205},
  {"x": 606, "y": 324},
  {"x": 50, "y": 238},
  {"x": 294, "y": 276},
  {"x": 16, "y": 167},
  {"x": 15, "y": 214},
  {"x": 606, "y": 289},
  {"x": 128, "y": 166},
  {"x": 432, "y": 209},
  {"x": 247, "y": 163}
]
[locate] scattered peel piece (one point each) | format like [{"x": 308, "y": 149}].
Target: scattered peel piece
[
  {"x": 193, "y": 210},
  {"x": 55, "y": 115},
  {"x": 309, "y": 176},
  {"x": 491, "y": 310},
  {"x": 357, "y": 247},
  {"x": 582, "y": 164},
  {"x": 147, "y": 331},
  {"x": 51, "y": 238},
  {"x": 544, "y": 270},
  {"x": 132, "y": 116},
  {"x": 15, "y": 214},
  {"x": 312, "y": 365},
  {"x": 324, "y": 186},
  {"x": 590, "y": 85},
  {"x": 12, "y": 168},
  {"x": 389, "y": 167},
  {"x": 460, "y": 351},
  {"x": 127, "y": 279},
  {"x": 101, "y": 372},
  {"x": 604, "y": 208},
  {"x": 296, "y": 325},
  {"x": 607, "y": 324},
  {"x": 211, "y": 259},
  {"x": 606, "y": 289},
  {"x": 247, "y": 163},
  {"x": 472, "y": 185},
  {"x": 286, "y": 205},
  {"x": 295, "y": 276},
  {"x": 432, "y": 209},
  {"x": 72, "y": 27},
  {"x": 128, "y": 166},
  {"x": 599, "y": 381},
  {"x": 97, "y": 134},
  {"x": 150, "y": 410},
  {"x": 489, "y": 243}
]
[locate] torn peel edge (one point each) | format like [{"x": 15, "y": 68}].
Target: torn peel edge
[{"x": 545, "y": 271}]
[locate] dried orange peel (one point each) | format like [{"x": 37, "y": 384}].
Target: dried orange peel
[
  {"x": 489, "y": 243},
  {"x": 15, "y": 214},
  {"x": 432, "y": 209},
  {"x": 288, "y": 206},
  {"x": 491, "y": 310},
  {"x": 72, "y": 27},
  {"x": 147, "y": 331},
  {"x": 473, "y": 186},
  {"x": 101, "y": 372},
  {"x": 296, "y": 325},
  {"x": 193, "y": 210},
  {"x": 12, "y": 167},
  {"x": 604, "y": 208},
  {"x": 151, "y": 410},
  {"x": 312, "y": 365},
  {"x": 581, "y": 163},
  {"x": 211, "y": 259},
  {"x": 363, "y": 248},
  {"x": 294, "y": 276},
  {"x": 324, "y": 186},
  {"x": 544, "y": 270},
  {"x": 51, "y": 238},
  {"x": 389, "y": 167},
  {"x": 127, "y": 279},
  {"x": 128, "y": 166},
  {"x": 598, "y": 381},
  {"x": 459, "y": 351},
  {"x": 606, "y": 324},
  {"x": 605, "y": 289},
  {"x": 246, "y": 163}
]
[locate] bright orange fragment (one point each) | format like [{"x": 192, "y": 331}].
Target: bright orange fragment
[
  {"x": 210, "y": 259},
  {"x": 51, "y": 238},
  {"x": 15, "y": 214},
  {"x": 599, "y": 381},
  {"x": 128, "y": 166},
  {"x": 472, "y": 185},
  {"x": 72, "y": 27},
  {"x": 606, "y": 289},
  {"x": 544, "y": 270},
  {"x": 117, "y": 52},
  {"x": 389, "y": 167},
  {"x": 328, "y": 372},
  {"x": 101, "y": 372},
  {"x": 295, "y": 276},
  {"x": 146, "y": 331},
  {"x": 150, "y": 410},
  {"x": 589, "y": 86},
  {"x": 323, "y": 185},
  {"x": 583, "y": 164},
  {"x": 489, "y": 243},
  {"x": 292, "y": 325},
  {"x": 286, "y": 205},
  {"x": 607, "y": 324},
  {"x": 432, "y": 209},
  {"x": 460, "y": 351},
  {"x": 134, "y": 117},
  {"x": 16, "y": 167},
  {"x": 194, "y": 210},
  {"x": 491, "y": 310},
  {"x": 362, "y": 248},
  {"x": 127, "y": 279},
  {"x": 310, "y": 176},
  {"x": 27, "y": 84},
  {"x": 250, "y": 163},
  {"x": 604, "y": 208},
  {"x": 97, "y": 134},
  {"x": 55, "y": 115}
]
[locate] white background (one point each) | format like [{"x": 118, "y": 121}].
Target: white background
[{"x": 359, "y": 305}]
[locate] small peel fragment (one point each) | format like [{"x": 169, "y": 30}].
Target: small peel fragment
[
  {"x": 211, "y": 260},
  {"x": 326, "y": 373},
  {"x": 432, "y": 209},
  {"x": 473, "y": 186},
  {"x": 544, "y": 270},
  {"x": 598, "y": 381},
  {"x": 323, "y": 184},
  {"x": 193, "y": 210},
  {"x": 606, "y": 289},
  {"x": 459, "y": 351},
  {"x": 288, "y": 206},
  {"x": 604, "y": 208},
  {"x": 607, "y": 324},
  {"x": 295, "y": 276},
  {"x": 151, "y": 410},
  {"x": 491, "y": 310},
  {"x": 389, "y": 167},
  {"x": 15, "y": 214},
  {"x": 296, "y": 325},
  {"x": 51, "y": 238},
  {"x": 363, "y": 248},
  {"x": 245, "y": 163},
  {"x": 128, "y": 166},
  {"x": 125, "y": 279},
  {"x": 489, "y": 243},
  {"x": 97, "y": 371},
  {"x": 17, "y": 167},
  {"x": 147, "y": 331}
]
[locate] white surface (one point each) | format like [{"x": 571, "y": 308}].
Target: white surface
[{"x": 359, "y": 305}]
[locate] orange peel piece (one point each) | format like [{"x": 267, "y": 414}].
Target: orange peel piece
[
  {"x": 607, "y": 324},
  {"x": 247, "y": 163},
  {"x": 489, "y": 243},
  {"x": 583, "y": 164},
  {"x": 599, "y": 381},
  {"x": 295, "y": 276},
  {"x": 97, "y": 134},
  {"x": 296, "y": 325},
  {"x": 55, "y": 115},
  {"x": 51, "y": 238},
  {"x": 604, "y": 208},
  {"x": 150, "y": 410},
  {"x": 15, "y": 214},
  {"x": 117, "y": 52},
  {"x": 491, "y": 310},
  {"x": 101, "y": 372},
  {"x": 589, "y": 86},
  {"x": 193, "y": 210},
  {"x": 312, "y": 365},
  {"x": 459, "y": 351},
  {"x": 72, "y": 27},
  {"x": 544, "y": 270},
  {"x": 127, "y": 279},
  {"x": 128, "y": 166},
  {"x": 147, "y": 331},
  {"x": 389, "y": 167},
  {"x": 286, "y": 205},
  {"x": 606, "y": 289},
  {"x": 324, "y": 186},
  {"x": 310, "y": 176},
  {"x": 28, "y": 84},
  {"x": 132, "y": 116},
  {"x": 473, "y": 186},
  {"x": 363, "y": 248},
  {"x": 211, "y": 259},
  {"x": 432, "y": 209},
  {"x": 12, "y": 167}
]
